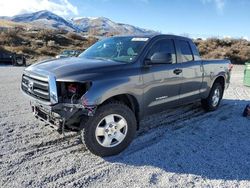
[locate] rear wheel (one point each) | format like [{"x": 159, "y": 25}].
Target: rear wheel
[
  {"x": 110, "y": 131},
  {"x": 213, "y": 101},
  {"x": 19, "y": 62}
]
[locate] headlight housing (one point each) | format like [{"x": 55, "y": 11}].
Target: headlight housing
[{"x": 69, "y": 92}]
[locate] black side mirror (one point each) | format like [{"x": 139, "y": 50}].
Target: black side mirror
[{"x": 161, "y": 58}]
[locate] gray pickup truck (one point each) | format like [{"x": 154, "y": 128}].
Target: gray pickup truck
[{"x": 109, "y": 88}]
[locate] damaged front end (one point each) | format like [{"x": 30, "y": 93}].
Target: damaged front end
[
  {"x": 72, "y": 97},
  {"x": 58, "y": 104}
]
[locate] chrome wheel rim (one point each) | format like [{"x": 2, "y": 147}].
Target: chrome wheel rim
[
  {"x": 216, "y": 97},
  {"x": 111, "y": 130}
]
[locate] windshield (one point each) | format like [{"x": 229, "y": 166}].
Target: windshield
[
  {"x": 69, "y": 52},
  {"x": 124, "y": 49}
]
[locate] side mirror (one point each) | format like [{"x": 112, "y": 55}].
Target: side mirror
[{"x": 161, "y": 58}]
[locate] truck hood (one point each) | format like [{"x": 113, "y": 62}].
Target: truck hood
[{"x": 66, "y": 69}]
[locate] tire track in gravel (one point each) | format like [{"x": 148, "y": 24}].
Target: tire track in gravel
[
  {"x": 172, "y": 117},
  {"x": 172, "y": 125},
  {"x": 99, "y": 170},
  {"x": 35, "y": 152}
]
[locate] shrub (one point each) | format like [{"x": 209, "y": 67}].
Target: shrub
[
  {"x": 46, "y": 51},
  {"x": 51, "y": 43},
  {"x": 76, "y": 36},
  {"x": 11, "y": 37},
  {"x": 46, "y": 35},
  {"x": 237, "y": 50}
]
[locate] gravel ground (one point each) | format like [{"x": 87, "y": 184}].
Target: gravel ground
[{"x": 182, "y": 148}]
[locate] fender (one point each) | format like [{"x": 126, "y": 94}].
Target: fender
[
  {"x": 101, "y": 91},
  {"x": 213, "y": 79}
]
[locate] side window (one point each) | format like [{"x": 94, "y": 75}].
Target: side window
[
  {"x": 195, "y": 52},
  {"x": 164, "y": 45},
  {"x": 186, "y": 52}
]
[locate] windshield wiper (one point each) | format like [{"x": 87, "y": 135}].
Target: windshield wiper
[{"x": 102, "y": 58}]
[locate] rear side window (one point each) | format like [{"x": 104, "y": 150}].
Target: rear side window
[
  {"x": 164, "y": 45},
  {"x": 195, "y": 52},
  {"x": 186, "y": 52}
]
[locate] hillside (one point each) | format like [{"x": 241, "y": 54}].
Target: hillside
[
  {"x": 237, "y": 50},
  {"x": 105, "y": 26},
  {"x": 99, "y": 26},
  {"x": 37, "y": 44},
  {"x": 10, "y": 24}
]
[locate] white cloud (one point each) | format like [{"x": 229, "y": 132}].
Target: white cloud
[
  {"x": 220, "y": 4},
  {"x": 246, "y": 38},
  {"x": 14, "y": 7}
]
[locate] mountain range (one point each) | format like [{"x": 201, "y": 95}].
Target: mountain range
[{"x": 96, "y": 26}]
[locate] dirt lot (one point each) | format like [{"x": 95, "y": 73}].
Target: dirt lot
[{"x": 185, "y": 147}]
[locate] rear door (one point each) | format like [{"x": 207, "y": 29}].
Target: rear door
[
  {"x": 192, "y": 71},
  {"x": 161, "y": 83}
]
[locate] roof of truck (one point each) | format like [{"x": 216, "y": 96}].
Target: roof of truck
[{"x": 154, "y": 35}]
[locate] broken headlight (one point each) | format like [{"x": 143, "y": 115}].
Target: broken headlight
[{"x": 70, "y": 92}]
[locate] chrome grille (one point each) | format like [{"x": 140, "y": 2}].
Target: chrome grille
[{"x": 35, "y": 87}]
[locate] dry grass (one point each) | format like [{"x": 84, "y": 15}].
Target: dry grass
[
  {"x": 34, "y": 44},
  {"x": 10, "y": 24},
  {"x": 237, "y": 50}
]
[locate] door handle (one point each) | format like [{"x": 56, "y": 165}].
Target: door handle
[{"x": 177, "y": 71}]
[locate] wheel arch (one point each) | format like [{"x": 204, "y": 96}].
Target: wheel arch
[
  {"x": 220, "y": 79},
  {"x": 128, "y": 100}
]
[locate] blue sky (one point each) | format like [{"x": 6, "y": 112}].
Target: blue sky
[{"x": 197, "y": 18}]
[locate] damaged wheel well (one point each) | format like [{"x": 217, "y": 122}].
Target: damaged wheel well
[{"x": 128, "y": 100}]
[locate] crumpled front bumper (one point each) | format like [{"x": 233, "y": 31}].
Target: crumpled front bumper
[{"x": 60, "y": 114}]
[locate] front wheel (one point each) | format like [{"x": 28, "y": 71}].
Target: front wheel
[
  {"x": 110, "y": 131},
  {"x": 214, "y": 98}
]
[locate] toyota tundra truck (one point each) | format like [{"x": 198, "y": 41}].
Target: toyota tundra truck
[{"x": 110, "y": 87}]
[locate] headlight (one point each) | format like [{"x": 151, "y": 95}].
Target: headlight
[{"x": 72, "y": 90}]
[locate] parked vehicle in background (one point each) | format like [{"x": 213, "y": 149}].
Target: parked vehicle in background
[
  {"x": 108, "y": 89},
  {"x": 12, "y": 58},
  {"x": 20, "y": 60},
  {"x": 6, "y": 57},
  {"x": 69, "y": 53}
]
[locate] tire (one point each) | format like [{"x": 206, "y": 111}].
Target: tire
[
  {"x": 19, "y": 63},
  {"x": 110, "y": 130},
  {"x": 213, "y": 101}
]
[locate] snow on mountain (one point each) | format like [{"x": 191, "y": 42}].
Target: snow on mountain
[
  {"x": 36, "y": 16},
  {"x": 104, "y": 25},
  {"x": 96, "y": 26},
  {"x": 43, "y": 19}
]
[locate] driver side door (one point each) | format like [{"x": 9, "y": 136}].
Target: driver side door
[{"x": 161, "y": 81}]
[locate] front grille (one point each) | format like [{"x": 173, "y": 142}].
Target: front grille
[{"x": 35, "y": 87}]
